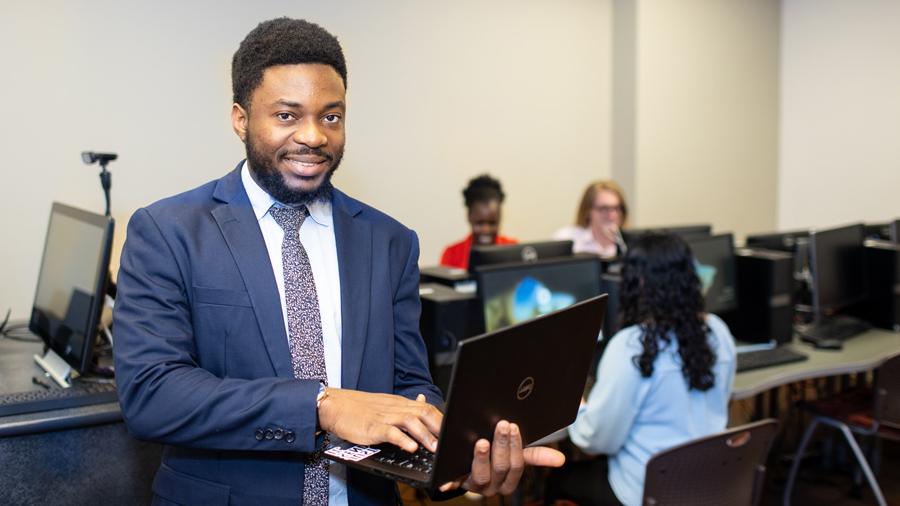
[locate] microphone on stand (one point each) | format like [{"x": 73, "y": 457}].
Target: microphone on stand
[{"x": 620, "y": 241}]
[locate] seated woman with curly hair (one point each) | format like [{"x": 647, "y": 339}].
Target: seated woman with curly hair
[{"x": 664, "y": 379}]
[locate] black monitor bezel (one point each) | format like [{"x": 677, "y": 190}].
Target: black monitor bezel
[
  {"x": 686, "y": 232},
  {"x": 80, "y": 363},
  {"x": 499, "y": 254},
  {"x": 877, "y": 231},
  {"x": 573, "y": 259},
  {"x": 777, "y": 240},
  {"x": 729, "y": 237},
  {"x": 818, "y": 309},
  {"x": 895, "y": 231}
]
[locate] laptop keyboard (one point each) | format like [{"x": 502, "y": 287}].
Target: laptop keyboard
[{"x": 422, "y": 460}]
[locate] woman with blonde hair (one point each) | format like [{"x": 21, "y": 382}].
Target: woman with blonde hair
[{"x": 598, "y": 222}]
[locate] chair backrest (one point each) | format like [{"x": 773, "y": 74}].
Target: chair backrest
[
  {"x": 887, "y": 393},
  {"x": 723, "y": 469}
]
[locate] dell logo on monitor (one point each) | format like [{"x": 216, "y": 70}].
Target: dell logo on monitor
[
  {"x": 525, "y": 388},
  {"x": 529, "y": 254}
]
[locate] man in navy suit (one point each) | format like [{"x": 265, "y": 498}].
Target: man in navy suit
[{"x": 205, "y": 317}]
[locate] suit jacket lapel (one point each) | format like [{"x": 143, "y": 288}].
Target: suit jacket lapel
[
  {"x": 353, "y": 238},
  {"x": 238, "y": 224}
]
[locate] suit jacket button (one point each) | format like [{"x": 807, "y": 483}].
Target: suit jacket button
[
  {"x": 260, "y": 435},
  {"x": 279, "y": 434},
  {"x": 269, "y": 434},
  {"x": 289, "y": 436}
]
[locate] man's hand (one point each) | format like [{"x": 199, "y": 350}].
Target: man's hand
[
  {"x": 498, "y": 468},
  {"x": 367, "y": 418}
]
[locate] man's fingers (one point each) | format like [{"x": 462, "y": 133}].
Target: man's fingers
[
  {"x": 413, "y": 426},
  {"x": 498, "y": 466},
  {"x": 516, "y": 461},
  {"x": 450, "y": 485},
  {"x": 399, "y": 438},
  {"x": 500, "y": 452},
  {"x": 481, "y": 464},
  {"x": 431, "y": 417},
  {"x": 420, "y": 398},
  {"x": 543, "y": 457}
]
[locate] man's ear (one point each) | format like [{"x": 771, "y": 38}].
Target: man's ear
[{"x": 239, "y": 119}]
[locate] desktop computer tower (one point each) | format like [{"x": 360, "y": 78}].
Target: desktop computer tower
[
  {"x": 448, "y": 316},
  {"x": 765, "y": 285},
  {"x": 453, "y": 277},
  {"x": 882, "y": 306},
  {"x": 610, "y": 284}
]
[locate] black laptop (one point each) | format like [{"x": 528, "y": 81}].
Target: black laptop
[{"x": 532, "y": 373}]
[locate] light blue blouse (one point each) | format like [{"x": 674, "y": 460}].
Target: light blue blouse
[{"x": 631, "y": 418}]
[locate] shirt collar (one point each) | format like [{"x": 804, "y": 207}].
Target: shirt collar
[{"x": 319, "y": 211}]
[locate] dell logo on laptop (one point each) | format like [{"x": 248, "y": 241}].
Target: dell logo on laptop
[
  {"x": 525, "y": 388},
  {"x": 529, "y": 254}
]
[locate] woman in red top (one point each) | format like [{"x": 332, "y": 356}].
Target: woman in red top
[{"x": 483, "y": 197}]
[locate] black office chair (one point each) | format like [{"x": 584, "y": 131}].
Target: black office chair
[
  {"x": 725, "y": 469},
  {"x": 866, "y": 412}
]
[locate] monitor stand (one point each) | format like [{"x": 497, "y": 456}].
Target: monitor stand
[{"x": 55, "y": 367}]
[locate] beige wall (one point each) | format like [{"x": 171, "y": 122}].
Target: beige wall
[
  {"x": 705, "y": 113},
  {"x": 704, "y": 93},
  {"x": 840, "y": 113},
  {"x": 439, "y": 92}
]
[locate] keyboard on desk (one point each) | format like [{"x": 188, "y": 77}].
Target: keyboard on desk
[
  {"x": 80, "y": 394},
  {"x": 758, "y": 359},
  {"x": 840, "y": 328}
]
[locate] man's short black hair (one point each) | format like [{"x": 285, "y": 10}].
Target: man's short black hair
[{"x": 282, "y": 41}]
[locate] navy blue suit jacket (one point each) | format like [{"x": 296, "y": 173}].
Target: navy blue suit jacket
[{"x": 201, "y": 354}]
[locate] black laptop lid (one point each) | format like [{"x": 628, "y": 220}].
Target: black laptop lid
[{"x": 532, "y": 373}]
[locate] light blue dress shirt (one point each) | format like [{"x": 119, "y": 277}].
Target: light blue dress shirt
[
  {"x": 630, "y": 418},
  {"x": 317, "y": 237}
]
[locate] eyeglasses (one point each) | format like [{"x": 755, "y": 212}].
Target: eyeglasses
[{"x": 607, "y": 209}]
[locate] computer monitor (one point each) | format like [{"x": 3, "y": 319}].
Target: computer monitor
[
  {"x": 795, "y": 242},
  {"x": 513, "y": 293},
  {"x": 686, "y": 232},
  {"x": 837, "y": 262},
  {"x": 481, "y": 256},
  {"x": 878, "y": 231},
  {"x": 715, "y": 265},
  {"x": 779, "y": 241},
  {"x": 71, "y": 286}
]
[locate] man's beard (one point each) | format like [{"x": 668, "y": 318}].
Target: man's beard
[{"x": 272, "y": 181}]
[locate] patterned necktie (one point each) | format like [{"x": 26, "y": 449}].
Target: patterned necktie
[{"x": 304, "y": 332}]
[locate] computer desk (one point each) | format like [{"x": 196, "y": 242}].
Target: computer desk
[
  {"x": 861, "y": 353},
  {"x": 78, "y": 455}
]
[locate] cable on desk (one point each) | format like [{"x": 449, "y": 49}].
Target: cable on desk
[
  {"x": 5, "y": 321},
  {"x": 17, "y": 331}
]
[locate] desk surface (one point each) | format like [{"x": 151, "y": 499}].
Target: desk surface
[
  {"x": 17, "y": 367},
  {"x": 861, "y": 353}
]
